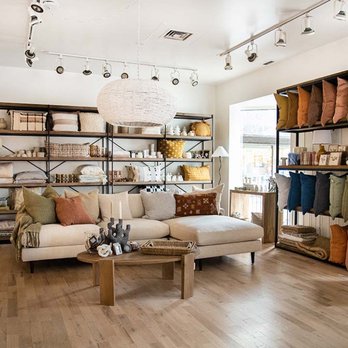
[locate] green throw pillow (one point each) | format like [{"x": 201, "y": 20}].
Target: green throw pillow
[
  {"x": 336, "y": 194},
  {"x": 41, "y": 208}
]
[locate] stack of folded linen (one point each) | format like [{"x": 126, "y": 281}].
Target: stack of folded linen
[
  {"x": 91, "y": 174},
  {"x": 6, "y": 173},
  {"x": 31, "y": 177},
  {"x": 293, "y": 234}
]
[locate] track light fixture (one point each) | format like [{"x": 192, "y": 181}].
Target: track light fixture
[
  {"x": 340, "y": 10},
  {"x": 194, "y": 78},
  {"x": 37, "y": 6},
  {"x": 175, "y": 76},
  {"x": 60, "y": 68},
  {"x": 30, "y": 52},
  {"x": 251, "y": 52},
  {"x": 107, "y": 70},
  {"x": 124, "y": 75},
  {"x": 228, "y": 62},
  {"x": 307, "y": 25},
  {"x": 280, "y": 38},
  {"x": 87, "y": 71},
  {"x": 155, "y": 74}
]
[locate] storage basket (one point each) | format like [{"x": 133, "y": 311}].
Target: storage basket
[
  {"x": 67, "y": 150},
  {"x": 168, "y": 247}
]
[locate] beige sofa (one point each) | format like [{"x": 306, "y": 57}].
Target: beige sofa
[{"x": 216, "y": 235}]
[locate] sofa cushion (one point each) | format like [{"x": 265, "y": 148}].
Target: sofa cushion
[
  {"x": 110, "y": 206},
  {"x": 136, "y": 205},
  {"x": 217, "y": 189},
  {"x": 213, "y": 229},
  {"x": 158, "y": 205},
  {"x": 203, "y": 204}
]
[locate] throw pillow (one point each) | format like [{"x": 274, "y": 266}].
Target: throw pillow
[
  {"x": 110, "y": 206},
  {"x": 329, "y": 102},
  {"x": 341, "y": 108},
  {"x": 283, "y": 184},
  {"x": 294, "y": 199},
  {"x": 203, "y": 204},
  {"x": 338, "y": 244},
  {"x": 65, "y": 122},
  {"x": 315, "y": 105},
  {"x": 292, "y": 110},
  {"x": 91, "y": 122},
  {"x": 196, "y": 173},
  {"x": 201, "y": 129},
  {"x": 307, "y": 192},
  {"x": 282, "y": 103},
  {"x": 322, "y": 194},
  {"x": 336, "y": 194},
  {"x": 41, "y": 208},
  {"x": 158, "y": 205},
  {"x": 345, "y": 201},
  {"x": 303, "y": 104},
  {"x": 171, "y": 148},
  {"x": 70, "y": 211},
  {"x": 217, "y": 189},
  {"x": 89, "y": 201},
  {"x": 17, "y": 196}
]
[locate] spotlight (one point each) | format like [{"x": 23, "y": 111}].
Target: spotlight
[
  {"x": 228, "y": 62},
  {"x": 251, "y": 52},
  {"x": 29, "y": 62},
  {"x": 155, "y": 74},
  {"x": 87, "y": 71},
  {"x": 30, "y": 53},
  {"x": 37, "y": 6},
  {"x": 339, "y": 10},
  {"x": 280, "y": 38},
  {"x": 124, "y": 75},
  {"x": 60, "y": 68},
  {"x": 307, "y": 28},
  {"x": 175, "y": 75},
  {"x": 107, "y": 70},
  {"x": 194, "y": 78}
]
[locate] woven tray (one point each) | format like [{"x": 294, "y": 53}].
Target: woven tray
[{"x": 168, "y": 247}]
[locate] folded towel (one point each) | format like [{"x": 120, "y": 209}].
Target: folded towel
[
  {"x": 31, "y": 175},
  {"x": 65, "y": 128},
  {"x": 89, "y": 170},
  {"x": 297, "y": 239},
  {"x": 6, "y": 170},
  {"x": 6, "y": 180}
]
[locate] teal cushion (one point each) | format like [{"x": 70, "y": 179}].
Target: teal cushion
[
  {"x": 294, "y": 199},
  {"x": 307, "y": 192},
  {"x": 336, "y": 194}
]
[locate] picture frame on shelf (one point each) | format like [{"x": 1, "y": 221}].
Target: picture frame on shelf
[
  {"x": 335, "y": 158},
  {"x": 324, "y": 159},
  {"x": 333, "y": 148},
  {"x": 342, "y": 148}
]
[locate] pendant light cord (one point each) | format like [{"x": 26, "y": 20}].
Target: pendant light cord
[{"x": 138, "y": 41}]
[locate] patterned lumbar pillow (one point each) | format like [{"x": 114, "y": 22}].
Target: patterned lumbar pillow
[{"x": 203, "y": 204}]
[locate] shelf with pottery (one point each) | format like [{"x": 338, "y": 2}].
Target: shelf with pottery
[{"x": 160, "y": 136}]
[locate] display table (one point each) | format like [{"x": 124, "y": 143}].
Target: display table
[{"x": 104, "y": 271}]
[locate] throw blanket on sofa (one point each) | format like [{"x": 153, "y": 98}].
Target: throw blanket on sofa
[{"x": 26, "y": 233}]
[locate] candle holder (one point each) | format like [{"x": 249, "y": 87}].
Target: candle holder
[{"x": 118, "y": 234}]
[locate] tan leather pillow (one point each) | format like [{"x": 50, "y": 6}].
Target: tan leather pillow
[
  {"x": 203, "y": 204},
  {"x": 341, "y": 108},
  {"x": 329, "y": 102},
  {"x": 315, "y": 105},
  {"x": 196, "y": 173},
  {"x": 70, "y": 211},
  {"x": 282, "y": 103},
  {"x": 303, "y": 104},
  {"x": 338, "y": 244},
  {"x": 292, "y": 110}
]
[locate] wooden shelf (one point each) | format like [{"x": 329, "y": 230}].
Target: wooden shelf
[
  {"x": 137, "y": 136},
  {"x": 77, "y": 159},
  {"x": 188, "y": 160},
  {"x": 314, "y": 168},
  {"x": 137, "y": 183},
  {"x": 77, "y": 134},
  {"x": 23, "y": 133},
  {"x": 188, "y": 182},
  {"x": 56, "y": 184},
  {"x": 23, "y": 159},
  {"x": 129, "y": 159},
  {"x": 193, "y": 138}
]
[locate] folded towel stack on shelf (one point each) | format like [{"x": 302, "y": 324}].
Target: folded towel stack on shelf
[
  {"x": 290, "y": 235},
  {"x": 31, "y": 177},
  {"x": 6, "y": 173},
  {"x": 91, "y": 174}
]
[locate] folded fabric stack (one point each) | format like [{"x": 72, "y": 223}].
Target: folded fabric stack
[
  {"x": 31, "y": 177},
  {"x": 32, "y": 121},
  {"x": 91, "y": 174},
  {"x": 290, "y": 235},
  {"x": 6, "y": 228},
  {"x": 6, "y": 173}
]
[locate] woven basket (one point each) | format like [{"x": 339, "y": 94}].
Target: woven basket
[
  {"x": 168, "y": 247},
  {"x": 68, "y": 150}
]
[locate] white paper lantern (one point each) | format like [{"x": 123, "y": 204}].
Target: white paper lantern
[{"x": 135, "y": 103}]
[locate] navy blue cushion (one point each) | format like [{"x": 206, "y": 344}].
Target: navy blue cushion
[
  {"x": 307, "y": 192},
  {"x": 294, "y": 199},
  {"x": 322, "y": 194}
]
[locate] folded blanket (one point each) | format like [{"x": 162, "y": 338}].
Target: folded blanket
[
  {"x": 6, "y": 170},
  {"x": 31, "y": 175},
  {"x": 319, "y": 249},
  {"x": 30, "y": 181},
  {"x": 298, "y": 239},
  {"x": 92, "y": 178},
  {"x": 6, "y": 180},
  {"x": 89, "y": 170},
  {"x": 297, "y": 229},
  {"x": 65, "y": 128}
]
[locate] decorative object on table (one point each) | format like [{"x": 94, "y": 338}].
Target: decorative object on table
[
  {"x": 118, "y": 234},
  {"x": 117, "y": 248},
  {"x": 283, "y": 161},
  {"x": 93, "y": 241},
  {"x": 170, "y": 130},
  {"x": 177, "y": 131},
  {"x": 184, "y": 132},
  {"x": 65, "y": 178},
  {"x": 191, "y": 133},
  {"x": 321, "y": 138},
  {"x": 135, "y": 246},
  {"x": 201, "y": 129},
  {"x": 335, "y": 158},
  {"x": 168, "y": 247},
  {"x": 104, "y": 250},
  {"x": 127, "y": 248},
  {"x": 153, "y": 188},
  {"x": 293, "y": 158},
  {"x": 220, "y": 152},
  {"x": 188, "y": 155},
  {"x": 3, "y": 124}
]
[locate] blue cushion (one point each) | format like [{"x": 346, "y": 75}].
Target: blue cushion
[
  {"x": 307, "y": 192},
  {"x": 294, "y": 199},
  {"x": 322, "y": 194}
]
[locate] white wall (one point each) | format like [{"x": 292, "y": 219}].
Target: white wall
[{"x": 312, "y": 64}]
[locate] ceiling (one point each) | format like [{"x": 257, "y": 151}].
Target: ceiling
[{"x": 109, "y": 29}]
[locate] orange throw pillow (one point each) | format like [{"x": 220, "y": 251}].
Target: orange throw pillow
[
  {"x": 70, "y": 211},
  {"x": 292, "y": 110},
  {"x": 303, "y": 105},
  {"x": 341, "y": 108},
  {"x": 329, "y": 102},
  {"x": 338, "y": 244},
  {"x": 202, "y": 204}
]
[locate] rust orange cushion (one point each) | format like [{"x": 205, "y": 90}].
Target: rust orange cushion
[
  {"x": 315, "y": 105},
  {"x": 329, "y": 102},
  {"x": 338, "y": 244},
  {"x": 303, "y": 105},
  {"x": 202, "y": 204},
  {"x": 292, "y": 110},
  {"x": 282, "y": 103},
  {"x": 341, "y": 108},
  {"x": 70, "y": 211}
]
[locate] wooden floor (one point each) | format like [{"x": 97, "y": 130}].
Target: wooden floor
[{"x": 284, "y": 300}]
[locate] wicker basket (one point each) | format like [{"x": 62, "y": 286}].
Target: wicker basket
[
  {"x": 168, "y": 247},
  {"x": 68, "y": 150}
]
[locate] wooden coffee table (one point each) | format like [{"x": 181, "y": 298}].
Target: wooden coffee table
[{"x": 104, "y": 274}]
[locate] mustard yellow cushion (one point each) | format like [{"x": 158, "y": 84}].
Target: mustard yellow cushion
[
  {"x": 201, "y": 129},
  {"x": 171, "y": 148},
  {"x": 282, "y": 103},
  {"x": 196, "y": 173}
]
